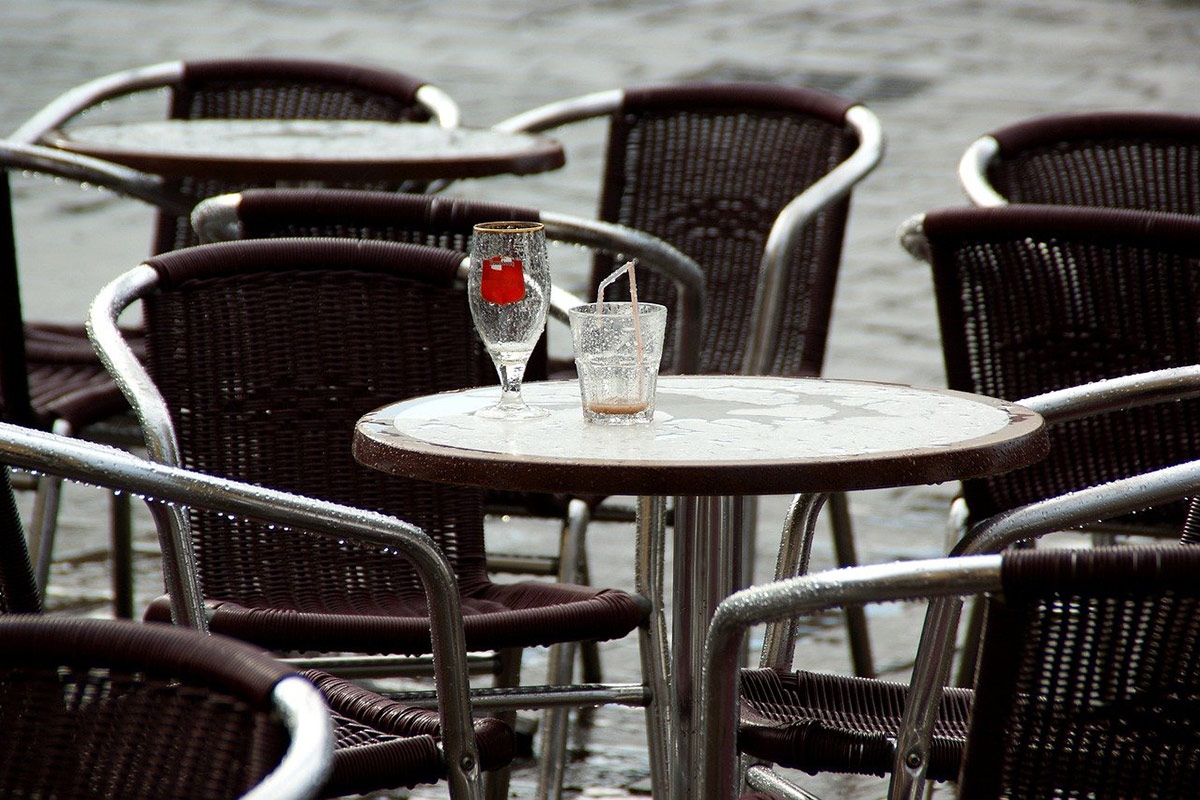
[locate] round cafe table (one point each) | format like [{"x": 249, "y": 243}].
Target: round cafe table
[
  {"x": 714, "y": 442},
  {"x": 317, "y": 150}
]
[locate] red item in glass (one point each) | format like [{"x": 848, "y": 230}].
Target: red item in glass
[{"x": 503, "y": 281}]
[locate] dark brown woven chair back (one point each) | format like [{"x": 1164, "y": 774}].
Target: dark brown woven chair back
[
  {"x": 1143, "y": 160},
  {"x": 18, "y": 590},
  {"x": 421, "y": 219},
  {"x": 707, "y": 168},
  {"x": 99, "y": 708},
  {"x": 1037, "y": 298},
  {"x": 271, "y": 88},
  {"x": 1089, "y": 683},
  {"x": 267, "y": 353}
]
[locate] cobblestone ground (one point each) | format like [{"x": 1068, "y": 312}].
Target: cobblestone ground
[{"x": 938, "y": 73}]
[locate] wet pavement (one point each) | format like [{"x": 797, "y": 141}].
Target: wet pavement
[{"x": 937, "y": 73}]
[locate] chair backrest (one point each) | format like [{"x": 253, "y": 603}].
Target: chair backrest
[
  {"x": 106, "y": 708},
  {"x": 439, "y": 221},
  {"x": 710, "y": 168},
  {"x": 1089, "y": 677},
  {"x": 421, "y": 219},
  {"x": 251, "y": 88},
  {"x": 1038, "y": 298},
  {"x": 271, "y": 88},
  {"x": 266, "y": 353},
  {"x": 1122, "y": 159}
]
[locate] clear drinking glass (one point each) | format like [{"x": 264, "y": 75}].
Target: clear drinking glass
[{"x": 509, "y": 290}]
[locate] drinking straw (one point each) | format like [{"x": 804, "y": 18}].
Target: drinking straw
[{"x": 628, "y": 266}]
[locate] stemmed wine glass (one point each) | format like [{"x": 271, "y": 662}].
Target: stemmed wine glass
[{"x": 509, "y": 290}]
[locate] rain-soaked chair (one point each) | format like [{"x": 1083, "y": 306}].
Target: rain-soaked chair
[
  {"x": 1035, "y": 298},
  {"x": 441, "y": 221},
  {"x": 95, "y": 708},
  {"x": 820, "y": 722},
  {"x": 753, "y": 181},
  {"x": 261, "y": 357},
  {"x": 50, "y": 377},
  {"x": 1147, "y": 160},
  {"x": 380, "y": 744},
  {"x": 1087, "y": 687},
  {"x": 247, "y": 88}
]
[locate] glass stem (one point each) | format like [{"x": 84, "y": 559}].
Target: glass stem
[{"x": 511, "y": 376}]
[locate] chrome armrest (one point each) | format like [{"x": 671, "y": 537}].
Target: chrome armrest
[
  {"x": 562, "y": 112},
  {"x": 85, "y": 169},
  {"x": 71, "y": 102},
  {"x": 972, "y": 172},
  {"x": 111, "y": 468}
]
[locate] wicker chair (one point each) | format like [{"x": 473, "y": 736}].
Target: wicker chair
[
  {"x": 104, "y": 708},
  {"x": 827, "y": 723},
  {"x": 262, "y": 355},
  {"x": 1082, "y": 704},
  {"x": 50, "y": 378},
  {"x": 380, "y": 744},
  {"x": 1122, "y": 159},
  {"x": 248, "y": 88},
  {"x": 1037, "y": 298},
  {"x": 753, "y": 181},
  {"x": 440, "y": 221}
]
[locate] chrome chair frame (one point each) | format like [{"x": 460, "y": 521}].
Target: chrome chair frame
[
  {"x": 972, "y": 567},
  {"x": 188, "y": 603},
  {"x": 767, "y": 309},
  {"x": 155, "y": 76},
  {"x": 167, "y": 488}
]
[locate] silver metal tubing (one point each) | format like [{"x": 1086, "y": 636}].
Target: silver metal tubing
[
  {"x": 87, "y": 170},
  {"x": 533, "y": 698},
  {"x": 708, "y": 568},
  {"x": 160, "y": 484},
  {"x": 216, "y": 219},
  {"x": 659, "y": 256},
  {"x": 762, "y": 779},
  {"x": 443, "y": 107},
  {"x": 972, "y": 172},
  {"x": 911, "y": 234},
  {"x": 649, "y": 582},
  {"x": 366, "y": 667},
  {"x": 1114, "y": 394},
  {"x": 1079, "y": 508},
  {"x": 795, "y": 547},
  {"x": 837, "y": 183},
  {"x": 74, "y": 100},
  {"x": 715, "y": 762},
  {"x": 561, "y": 112},
  {"x": 306, "y": 764}
]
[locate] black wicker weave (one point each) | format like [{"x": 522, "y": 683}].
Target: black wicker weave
[
  {"x": 708, "y": 168},
  {"x": 1037, "y": 298}
]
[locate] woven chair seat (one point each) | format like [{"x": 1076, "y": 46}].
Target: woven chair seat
[
  {"x": 524, "y": 614},
  {"x": 379, "y": 738},
  {"x": 67, "y": 380},
  {"x": 832, "y": 723}
]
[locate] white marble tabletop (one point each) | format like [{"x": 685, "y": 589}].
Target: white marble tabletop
[
  {"x": 315, "y": 149},
  {"x": 738, "y": 434}
]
